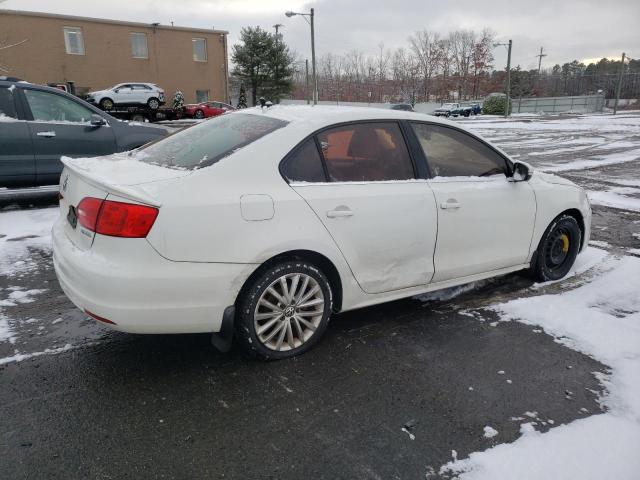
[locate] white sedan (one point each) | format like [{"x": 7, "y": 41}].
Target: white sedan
[{"x": 262, "y": 223}]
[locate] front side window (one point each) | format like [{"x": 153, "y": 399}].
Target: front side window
[
  {"x": 7, "y": 106},
  {"x": 49, "y": 107},
  {"x": 139, "y": 47},
  {"x": 205, "y": 144},
  {"x": 73, "y": 41},
  {"x": 304, "y": 164},
  {"x": 199, "y": 49},
  {"x": 366, "y": 152},
  {"x": 452, "y": 153},
  {"x": 202, "y": 96}
]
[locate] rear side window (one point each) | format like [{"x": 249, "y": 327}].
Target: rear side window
[
  {"x": 366, "y": 152},
  {"x": 304, "y": 164},
  {"x": 7, "y": 107},
  {"x": 452, "y": 153},
  {"x": 205, "y": 144},
  {"x": 51, "y": 107}
]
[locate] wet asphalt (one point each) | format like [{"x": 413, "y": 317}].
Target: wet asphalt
[{"x": 389, "y": 393}]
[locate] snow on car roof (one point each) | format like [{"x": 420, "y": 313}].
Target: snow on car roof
[{"x": 318, "y": 116}]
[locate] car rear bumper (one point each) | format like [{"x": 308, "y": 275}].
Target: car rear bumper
[{"x": 141, "y": 292}]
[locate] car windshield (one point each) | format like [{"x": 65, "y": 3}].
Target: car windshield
[
  {"x": 448, "y": 105},
  {"x": 205, "y": 144}
]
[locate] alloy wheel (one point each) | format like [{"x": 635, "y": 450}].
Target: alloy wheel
[{"x": 289, "y": 311}]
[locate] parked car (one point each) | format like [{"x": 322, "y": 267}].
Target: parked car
[
  {"x": 40, "y": 124},
  {"x": 128, "y": 94},
  {"x": 466, "y": 110},
  {"x": 262, "y": 223},
  {"x": 446, "y": 109},
  {"x": 407, "y": 107},
  {"x": 206, "y": 109}
]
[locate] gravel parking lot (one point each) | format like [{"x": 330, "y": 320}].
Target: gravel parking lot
[{"x": 393, "y": 391}]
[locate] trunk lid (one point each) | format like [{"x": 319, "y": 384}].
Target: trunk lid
[{"x": 118, "y": 175}]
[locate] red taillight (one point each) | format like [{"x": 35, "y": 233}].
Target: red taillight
[
  {"x": 116, "y": 219},
  {"x": 87, "y": 212}
]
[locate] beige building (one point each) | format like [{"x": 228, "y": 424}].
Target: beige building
[{"x": 96, "y": 53}]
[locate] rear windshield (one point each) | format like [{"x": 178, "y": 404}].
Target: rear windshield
[{"x": 205, "y": 144}]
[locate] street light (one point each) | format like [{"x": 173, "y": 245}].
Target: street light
[
  {"x": 508, "y": 45},
  {"x": 313, "y": 51}
]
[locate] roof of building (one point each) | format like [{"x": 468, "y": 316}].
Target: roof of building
[{"x": 110, "y": 21}]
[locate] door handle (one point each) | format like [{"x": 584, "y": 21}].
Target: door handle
[
  {"x": 50, "y": 134},
  {"x": 450, "y": 204},
  {"x": 340, "y": 212}
]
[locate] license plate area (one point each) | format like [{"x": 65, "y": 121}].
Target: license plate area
[{"x": 72, "y": 217}]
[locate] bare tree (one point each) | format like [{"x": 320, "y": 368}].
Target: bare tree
[
  {"x": 425, "y": 48},
  {"x": 4, "y": 46}
]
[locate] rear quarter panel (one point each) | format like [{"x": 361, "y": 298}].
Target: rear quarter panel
[{"x": 201, "y": 218}]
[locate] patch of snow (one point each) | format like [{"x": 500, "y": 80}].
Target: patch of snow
[
  {"x": 600, "y": 319},
  {"x": 18, "y": 357},
  {"x": 411, "y": 435},
  {"x": 597, "y": 161},
  {"x": 6, "y": 333},
  {"x": 599, "y": 243},
  {"x": 490, "y": 432},
  {"x": 23, "y": 230},
  {"x": 616, "y": 198}
]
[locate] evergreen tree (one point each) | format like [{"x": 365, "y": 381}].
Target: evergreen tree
[
  {"x": 264, "y": 62},
  {"x": 242, "y": 97}
]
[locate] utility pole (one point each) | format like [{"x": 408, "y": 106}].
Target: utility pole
[
  {"x": 540, "y": 55},
  {"x": 508, "y": 105},
  {"x": 313, "y": 61},
  {"x": 508, "y": 87},
  {"x": 619, "y": 86},
  {"x": 277, "y": 26},
  {"x": 311, "y": 16},
  {"x": 306, "y": 79}
]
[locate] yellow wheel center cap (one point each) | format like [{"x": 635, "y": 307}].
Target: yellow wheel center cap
[{"x": 565, "y": 242}]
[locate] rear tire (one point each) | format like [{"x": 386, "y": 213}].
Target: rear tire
[
  {"x": 284, "y": 311},
  {"x": 557, "y": 250},
  {"x": 106, "y": 104},
  {"x": 199, "y": 114}
]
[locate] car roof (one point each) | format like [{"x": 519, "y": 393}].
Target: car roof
[{"x": 319, "y": 116}]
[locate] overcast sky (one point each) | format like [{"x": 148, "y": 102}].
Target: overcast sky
[{"x": 567, "y": 29}]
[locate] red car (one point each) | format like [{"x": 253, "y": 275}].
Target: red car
[{"x": 206, "y": 109}]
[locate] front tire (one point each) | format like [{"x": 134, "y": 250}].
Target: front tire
[
  {"x": 557, "y": 250},
  {"x": 199, "y": 114},
  {"x": 153, "y": 103},
  {"x": 284, "y": 311},
  {"x": 106, "y": 104}
]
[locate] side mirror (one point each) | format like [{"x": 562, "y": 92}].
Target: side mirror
[
  {"x": 97, "y": 120},
  {"x": 521, "y": 172}
]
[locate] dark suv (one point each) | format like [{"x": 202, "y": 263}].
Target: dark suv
[{"x": 40, "y": 124}]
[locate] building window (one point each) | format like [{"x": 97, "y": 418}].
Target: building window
[
  {"x": 139, "y": 47},
  {"x": 73, "y": 41},
  {"x": 199, "y": 49},
  {"x": 202, "y": 96}
]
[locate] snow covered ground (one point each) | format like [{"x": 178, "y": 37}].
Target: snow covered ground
[
  {"x": 600, "y": 318},
  {"x": 594, "y": 147}
]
